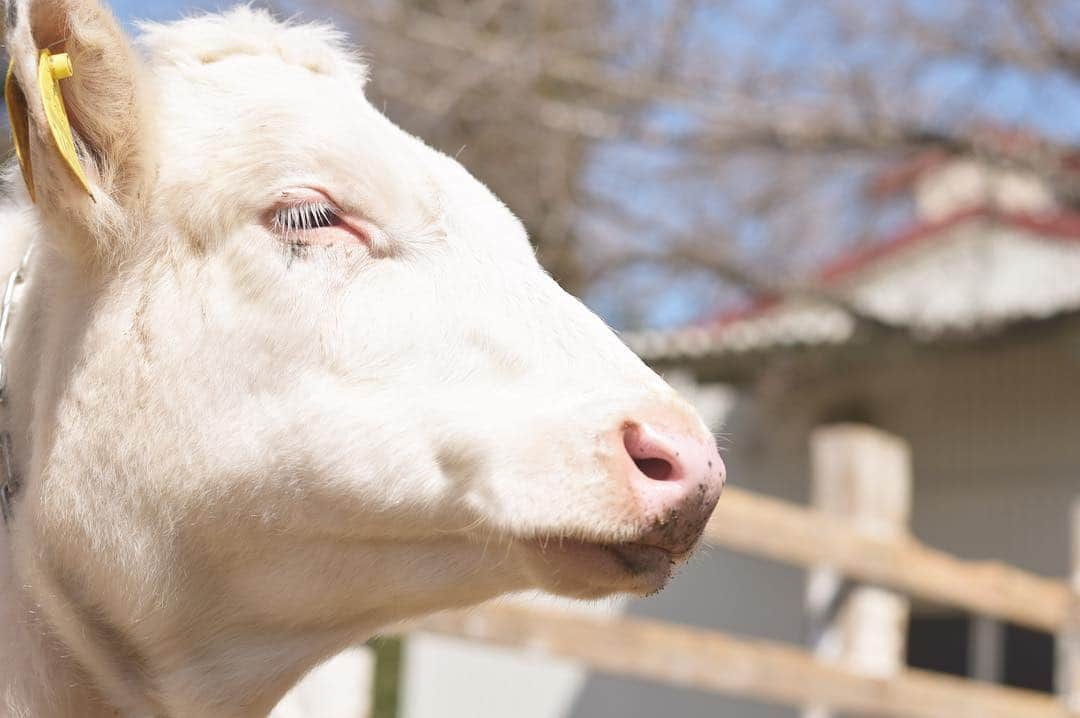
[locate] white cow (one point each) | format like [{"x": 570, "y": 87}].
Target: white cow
[{"x": 280, "y": 375}]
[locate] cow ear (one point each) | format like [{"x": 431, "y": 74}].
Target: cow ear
[{"x": 77, "y": 113}]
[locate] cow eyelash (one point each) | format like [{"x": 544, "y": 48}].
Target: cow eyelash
[{"x": 305, "y": 217}]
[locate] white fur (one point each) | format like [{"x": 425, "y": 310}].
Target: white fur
[{"x": 238, "y": 462}]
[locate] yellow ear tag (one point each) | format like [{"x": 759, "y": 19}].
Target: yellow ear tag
[
  {"x": 20, "y": 126},
  {"x": 52, "y": 69}
]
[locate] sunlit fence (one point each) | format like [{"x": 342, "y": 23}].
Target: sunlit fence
[{"x": 855, "y": 530}]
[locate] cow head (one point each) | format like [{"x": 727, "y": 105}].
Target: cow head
[{"x": 299, "y": 375}]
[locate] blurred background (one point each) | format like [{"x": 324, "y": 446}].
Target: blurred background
[{"x": 806, "y": 214}]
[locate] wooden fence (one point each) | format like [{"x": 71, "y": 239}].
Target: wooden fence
[{"x": 856, "y": 528}]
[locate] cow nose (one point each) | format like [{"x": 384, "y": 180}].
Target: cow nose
[
  {"x": 671, "y": 456},
  {"x": 677, "y": 477}
]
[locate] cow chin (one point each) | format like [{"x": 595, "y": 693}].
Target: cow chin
[{"x": 590, "y": 570}]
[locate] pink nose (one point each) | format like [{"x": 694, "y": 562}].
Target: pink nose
[{"x": 677, "y": 477}]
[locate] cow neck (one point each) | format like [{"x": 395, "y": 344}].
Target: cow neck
[{"x": 9, "y": 478}]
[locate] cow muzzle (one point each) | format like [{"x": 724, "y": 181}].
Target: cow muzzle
[{"x": 668, "y": 475}]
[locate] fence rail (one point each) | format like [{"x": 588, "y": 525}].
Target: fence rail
[
  {"x": 782, "y": 531},
  {"x": 760, "y": 670}
]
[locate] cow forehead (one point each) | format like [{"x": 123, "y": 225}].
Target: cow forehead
[
  {"x": 240, "y": 92},
  {"x": 245, "y": 31},
  {"x": 247, "y": 101},
  {"x": 252, "y": 120}
]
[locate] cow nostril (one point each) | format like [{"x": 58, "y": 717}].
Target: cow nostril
[
  {"x": 655, "y": 469},
  {"x": 651, "y": 454}
]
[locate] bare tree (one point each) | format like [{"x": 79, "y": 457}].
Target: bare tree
[{"x": 654, "y": 148}]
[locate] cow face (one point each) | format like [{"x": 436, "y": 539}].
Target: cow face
[{"x": 319, "y": 381}]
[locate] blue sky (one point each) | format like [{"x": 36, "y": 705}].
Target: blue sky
[
  {"x": 162, "y": 10},
  {"x": 1012, "y": 97},
  {"x": 129, "y": 10},
  {"x": 1050, "y": 104}
]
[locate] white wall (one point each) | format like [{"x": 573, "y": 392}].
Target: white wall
[{"x": 446, "y": 677}]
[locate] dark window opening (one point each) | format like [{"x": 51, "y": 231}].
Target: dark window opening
[
  {"x": 939, "y": 643},
  {"x": 946, "y": 643},
  {"x": 1029, "y": 659}
]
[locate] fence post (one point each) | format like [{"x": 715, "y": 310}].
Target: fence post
[
  {"x": 1068, "y": 678},
  {"x": 863, "y": 475}
]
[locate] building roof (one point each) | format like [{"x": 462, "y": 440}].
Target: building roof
[
  {"x": 1005, "y": 142},
  {"x": 972, "y": 271}
]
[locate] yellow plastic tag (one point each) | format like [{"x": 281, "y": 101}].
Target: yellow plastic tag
[
  {"x": 52, "y": 69},
  {"x": 20, "y": 126}
]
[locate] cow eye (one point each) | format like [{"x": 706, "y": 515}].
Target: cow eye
[
  {"x": 305, "y": 216},
  {"x": 296, "y": 219}
]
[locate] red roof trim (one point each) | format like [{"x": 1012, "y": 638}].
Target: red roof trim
[
  {"x": 1063, "y": 225},
  {"x": 757, "y": 305},
  {"x": 902, "y": 176},
  {"x": 1007, "y": 141},
  {"x": 859, "y": 258},
  {"x": 1060, "y": 225}
]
